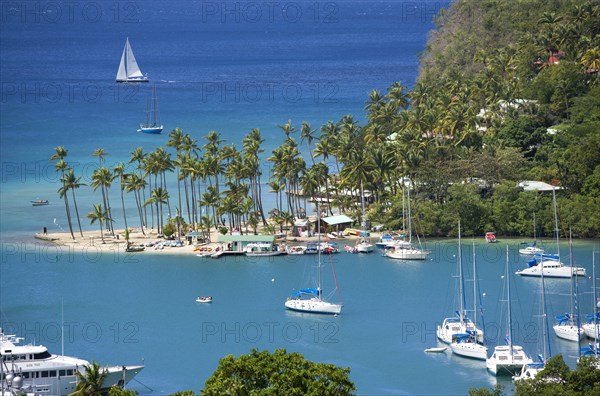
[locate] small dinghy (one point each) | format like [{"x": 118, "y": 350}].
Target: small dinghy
[
  {"x": 436, "y": 349},
  {"x": 203, "y": 299}
]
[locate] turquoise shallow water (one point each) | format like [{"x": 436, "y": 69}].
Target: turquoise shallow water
[
  {"x": 230, "y": 75},
  {"x": 125, "y": 309}
]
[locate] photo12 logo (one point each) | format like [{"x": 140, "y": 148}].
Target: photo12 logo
[
  {"x": 268, "y": 12},
  {"x": 69, "y": 12}
]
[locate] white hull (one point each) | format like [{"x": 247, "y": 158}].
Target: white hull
[
  {"x": 531, "y": 251},
  {"x": 503, "y": 362},
  {"x": 552, "y": 269},
  {"x": 406, "y": 254},
  {"x": 591, "y": 330},
  {"x": 296, "y": 250},
  {"x": 470, "y": 350},
  {"x": 529, "y": 371},
  {"x": 569, "y": 332},
  {"x": 314, "y": 305},
  {"x": 449, "y": 328},
  {"x": 364, "y": 248}
]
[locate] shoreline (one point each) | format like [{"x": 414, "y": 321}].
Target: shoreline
[{"x": 136, "y": 238}]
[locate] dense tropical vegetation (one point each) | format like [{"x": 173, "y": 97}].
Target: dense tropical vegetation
[
  {"x": 555, "y": 380},
  {"x": 508, "y": 91}
]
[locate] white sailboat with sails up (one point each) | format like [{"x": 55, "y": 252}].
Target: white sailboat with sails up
[
  {"x": 129, "y": 71},
  {"x": 311, "y": 299}
]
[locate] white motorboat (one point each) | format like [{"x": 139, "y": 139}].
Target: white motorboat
[
  {"x": 507, "y": 359},
  {"x": 296, "y": 250},
  {"x": 364, "y": 246},
  {"x": 262, "y": 249},
  {"x": 551, "y": 269},
  {"x": 40, "y": 372},
  {"x": 466, "y": 345},
  {"x": 204, "y": 299},
  {"x": 531, "y": 250}
]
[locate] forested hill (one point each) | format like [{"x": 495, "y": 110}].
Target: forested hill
[{"x": 509, "y": 90}]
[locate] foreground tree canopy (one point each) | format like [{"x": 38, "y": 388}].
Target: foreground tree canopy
[
  {"x": 555, "y": 380},
  {"x": 277, "y": 373}
]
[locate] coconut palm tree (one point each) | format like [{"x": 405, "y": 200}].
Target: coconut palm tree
[
  {"x": 61, "y": 166},
  {"x": 102, "y": 177},
  {"x": 73, "y": 182},
  {"x": 159, "y": 197},
  {"x": 90, "y": 382},
  {"x": 119, "y": 172},
  {"x": 100, "y": 216},
  {"x": 101, "y": 154},
  {"x": 134, "y": 183},
  {"x": 308, "y": 134},
  {"x": 138, "y": 156}
]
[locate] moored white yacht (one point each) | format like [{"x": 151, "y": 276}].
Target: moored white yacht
[
  {"x": 567, "y": 328},
  {"x": 551, "y": 269},
  {"x": 507, "y": 359},
  {"x": 466, "y": 345},
  {"x": 42, "y": 373}
]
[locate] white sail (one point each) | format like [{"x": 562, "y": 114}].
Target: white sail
[
  {"x": 129, "y": 71},
  {"x": 133, "y": 70},
  {"x": 122, "y": 73}
]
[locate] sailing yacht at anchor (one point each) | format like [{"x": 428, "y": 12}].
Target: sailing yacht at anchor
[
  {"x": 311, "y": 299},
  {"x": 152, "y": 124}
]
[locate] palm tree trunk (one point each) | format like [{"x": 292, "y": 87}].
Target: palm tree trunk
[
  {"x": 123, "y": 204},
  {"x": 68, "y": 215},
  {"x": 77, "y": 212}
]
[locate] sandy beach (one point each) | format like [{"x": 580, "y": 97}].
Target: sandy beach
[{"x": 137, "y": 238}]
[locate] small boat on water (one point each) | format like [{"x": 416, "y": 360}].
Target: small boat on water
[
  {"x": 152, "y": 124},
  {"x": 129, "y": 71},
  {"x": 296, "y": 250},
  {"x": 490, "y": 237},
  {"x": 40, "y": 202},
  {"x": 436, "y": 349},
  {"x": 204, "y": 299}
]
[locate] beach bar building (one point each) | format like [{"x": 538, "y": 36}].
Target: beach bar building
[
  {"x": 339, "y": 222},
  {"x": 302, "y": 228},
  {"x": 235, "y": 244}
]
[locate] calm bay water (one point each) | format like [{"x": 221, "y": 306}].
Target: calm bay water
[
  {"x": 229, "y": 67},
  {"x": 122, "y": 309}
]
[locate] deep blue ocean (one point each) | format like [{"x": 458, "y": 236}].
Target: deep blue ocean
[{"x": 229, "y": 67}]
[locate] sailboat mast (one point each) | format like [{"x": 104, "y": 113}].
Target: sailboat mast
[
  {"x": 461, "y": 291},
  {"x": 474, "y": 288},
  {"x": 556, "y": 222},
  {"x": 510, "y": 343},
  {"x": 409, "y": 215},
  {"x": 154, "y": 105},
  {"x": 546, "y": 340},
  {"x": 595, "y": 299},
  {"x": 318, "y": 250},
  {"x": 575, "y": 295},
  {"x": 362, "y": 204},
  {"x": 147, "y": 112}
]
